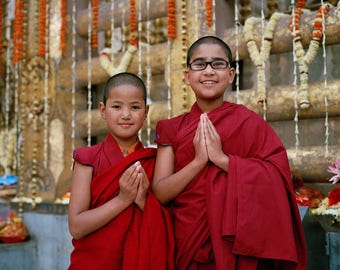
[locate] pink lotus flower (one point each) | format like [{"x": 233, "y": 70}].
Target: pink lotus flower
[{"x": 334, "y": 168}]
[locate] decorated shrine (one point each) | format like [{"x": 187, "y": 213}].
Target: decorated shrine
[{"x": 56, "y": 56}]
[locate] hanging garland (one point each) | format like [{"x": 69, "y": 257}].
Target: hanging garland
[
  {"x": 304, "y": 59},
  {"x": 133, "y": 23},
  {"x": 1, "y": 27},
  {"x": 209, "y": 13},
  {"x": 94, "y": 33},
  {"x": 42, "y": 28},
  {"x": 63, "y": 27},
  {"x": 171, "y": 12},
  {"x": 260, "y": 56},
  {"x": 18, "y": 31}
]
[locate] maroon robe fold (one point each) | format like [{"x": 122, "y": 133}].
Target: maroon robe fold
[
  {"x": 243, "y": 219},
  {"x": 134, "y": 239}
]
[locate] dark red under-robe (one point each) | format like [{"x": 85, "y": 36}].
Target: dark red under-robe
[
  {"x": 134, "y": 240},
  {"x": 244, "y": 219}
]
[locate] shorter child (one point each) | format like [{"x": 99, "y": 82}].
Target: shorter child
[{"x": 115, "y": 220}]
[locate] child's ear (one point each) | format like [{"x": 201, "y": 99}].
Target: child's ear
[
  {"x": 147, "y": 107},
  {"x": 102, "y": 109},
  {"x": 186, "y": 77}
]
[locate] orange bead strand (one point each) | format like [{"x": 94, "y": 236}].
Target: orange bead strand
[{"x": 171, "y": 19}]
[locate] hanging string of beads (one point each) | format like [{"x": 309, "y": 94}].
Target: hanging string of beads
[
  {"x": 45, "y": 41},
  {"x": 74, "y": 73},
  {"x": 237, "y": 64},
  {"x": 171, "y": 17},
  {"x": 63, "y": 27},
  {"x": 94, "y": 33},
  {"x": 209, "y": 13},
  {"x": 42, "y": 28},
  {"x": 259, "y": 56},
  {"x": 296, "y": 106},
  {"x": 112, "y": 29},
  {"x": 133, "y": 23},
  {"x": 148, "y": 68},
  {"x": 184, "y": 49},
  {"x": 140, "y": 49},
  {"x": 171, "y": 34},
  {"x": 18, "y": 32},
  {"x": 4, "y": 143},
  {"x": 324, "y": 56},
  {"x": 89, "y": 75},
  {"x": 197, "y": 19},
  {"x": 304, "y": 59}
]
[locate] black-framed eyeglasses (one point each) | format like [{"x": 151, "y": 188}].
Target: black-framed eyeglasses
[{"x": 198, "y": 65}]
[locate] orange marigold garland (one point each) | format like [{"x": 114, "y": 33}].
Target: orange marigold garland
[
  {"x": 171, "y": 19},
  {"x": 209, "y": 12},
  {"x": 133, "y": 23},
  {"x": 95, "y": 14},
  {"x": 18, "y": 31},
  {"x": 42, "y": 28},
  {"x": 63, "y": 27},
  {"x": 304, "y": 59}
]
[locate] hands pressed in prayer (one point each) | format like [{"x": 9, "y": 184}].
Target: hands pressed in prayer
[
  {"x": 143, "y": 187},
  {"x": 129, "y": 182},
  {"x": 208, "y": 144}
]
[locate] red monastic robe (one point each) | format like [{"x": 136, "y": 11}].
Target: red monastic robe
[
  {"x": 133, "y": 240},
  {"x": 243, "y": 219}
]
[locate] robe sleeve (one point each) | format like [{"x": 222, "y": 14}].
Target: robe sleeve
[{"x": 262, "y": 213}]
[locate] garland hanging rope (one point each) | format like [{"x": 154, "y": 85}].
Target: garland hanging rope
[
  {"x": 171, "y": 17},
  {"x": 42, "y": 28},
  {"x": 304, "y": 59},
  {"x": 259, "y": 56},
  {"x": 94, "y": 33},
  {"x": 18, "y": 31},
  {"x": 171, "y": 35},
  {"x": 133, "y": 24},
  {"x": 63, "y": 27},
  {"x": 237, "y": 58},
  {"x": 209, "y": 13}
]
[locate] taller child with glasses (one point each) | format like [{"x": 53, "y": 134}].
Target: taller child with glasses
[{"x": 225, "y": 174}]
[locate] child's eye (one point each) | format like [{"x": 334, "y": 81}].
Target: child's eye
[
  {"x": 135, "y": 107},
  {"x": 115, "y": 106}
]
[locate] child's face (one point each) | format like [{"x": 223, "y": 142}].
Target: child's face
[
  {"x": 209, "y": 84},
  {"x": 124, "y": 113}
]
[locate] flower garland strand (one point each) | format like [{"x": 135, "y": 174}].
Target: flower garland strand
[
  {"x": 324, "y": 55},
  {"x": 304, "y": 59},
  {"x": 63, "y": 27},
  {"x": 237, "y": 26},
  {"x": 171, "y": 16},
  {"x": 74, "y": 74},
  {"x": 94, "y": 33},
  {"x": 260, "y": 56},
  {"x": 42, "y": 28},
  {"x": 18, "y": 31},
  {"x": 209, "y": 13},
  {"x": 296, "y": 106},
  {"x": 133, "y": 23}
]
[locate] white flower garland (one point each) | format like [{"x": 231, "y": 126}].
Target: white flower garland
[
  {"x": 108, "y": 66},
  {"x": 260, "y": 56},
  {"x": 304, "y": 59}
]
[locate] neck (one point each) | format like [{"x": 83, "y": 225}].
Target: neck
[{"x": 208, "y": 106}]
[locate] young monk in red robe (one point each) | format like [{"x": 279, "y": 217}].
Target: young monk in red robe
[
  {"x": 226, "y": 176},
  {"x": 115, "y": 221}
]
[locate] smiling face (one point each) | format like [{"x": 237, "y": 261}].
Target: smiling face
[
  {"x": 124, "y": 112},
  {"x": 209, "y": 84}
]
